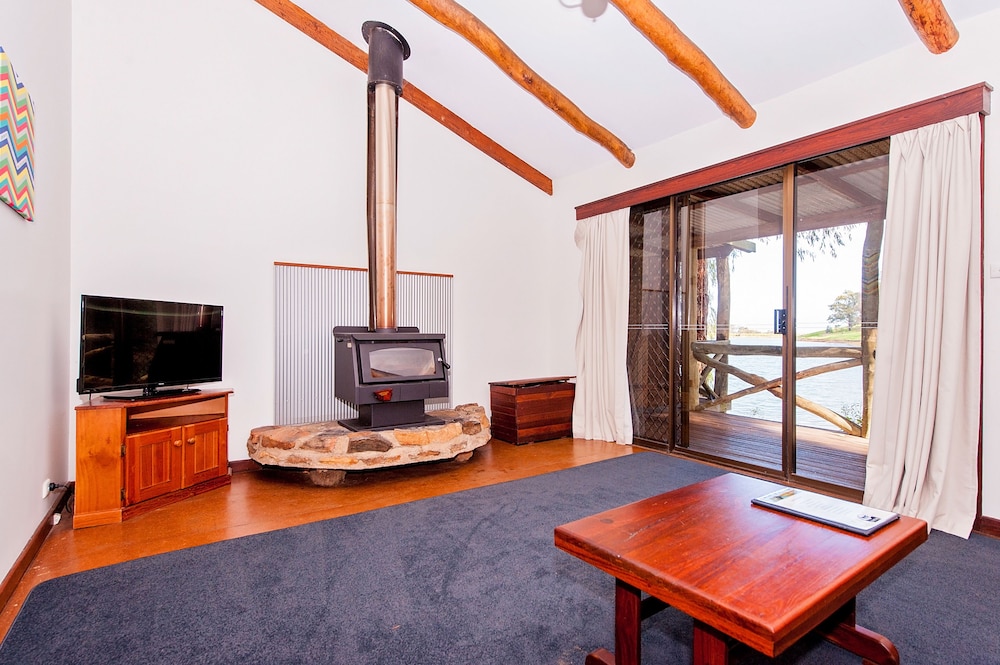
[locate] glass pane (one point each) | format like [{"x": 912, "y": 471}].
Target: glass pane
[
  {"x": 401, "y": 361},
  {"x": 731, "y": 284},
  {"x": 840, "y": 210}
]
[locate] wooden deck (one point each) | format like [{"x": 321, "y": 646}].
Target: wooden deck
[{"x": 824, "y": 455}]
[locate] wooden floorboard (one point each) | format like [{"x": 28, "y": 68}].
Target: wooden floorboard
[
  {"x": 823, "y": 455},
  {"x": 264, "y": 500}
]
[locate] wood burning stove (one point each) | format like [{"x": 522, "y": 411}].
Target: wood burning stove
[
  {"x": 386, "y": 372},
  {"x": 387, "y": 376}
]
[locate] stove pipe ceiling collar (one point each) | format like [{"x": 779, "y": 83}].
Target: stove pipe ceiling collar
[{"x": 387, "y": 49}]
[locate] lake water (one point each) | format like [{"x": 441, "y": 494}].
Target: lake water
[{"x": 839, "y": 391}]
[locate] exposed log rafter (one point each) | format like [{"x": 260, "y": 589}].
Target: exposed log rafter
[
  {"x": 933, "y": 24},
  {"x": 929, "y": 19},
  {"x": 461, "y": 21},
  {"x": 686, "y": 56},
  {"x": 321, "y": 33}
]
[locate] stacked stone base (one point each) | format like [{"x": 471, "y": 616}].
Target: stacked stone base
[{"x": 331, "y": 447}]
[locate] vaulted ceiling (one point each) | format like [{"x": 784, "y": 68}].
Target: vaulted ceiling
[{"x": 609, "y": 70}]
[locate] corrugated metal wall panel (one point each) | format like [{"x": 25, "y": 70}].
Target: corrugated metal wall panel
[{"x": 309, "y": 302}]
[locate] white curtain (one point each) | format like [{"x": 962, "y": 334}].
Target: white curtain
[
  {"x": 601, "y": 407},
  {"x": 924, "y": 439}
]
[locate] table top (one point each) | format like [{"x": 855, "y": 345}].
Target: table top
[{"x": 763, "y": 577}]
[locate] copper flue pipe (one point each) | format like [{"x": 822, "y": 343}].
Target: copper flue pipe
[
  {"x": 387, "y": 50},
  {"x": 384, "y": 234}
]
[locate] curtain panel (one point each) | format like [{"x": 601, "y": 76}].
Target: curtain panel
[
  {"x": 601, "y": 408},
  {"x": 924, "y": 440}
]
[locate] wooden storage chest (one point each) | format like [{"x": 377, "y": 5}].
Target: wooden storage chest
[{"x": 532, "y": 409}]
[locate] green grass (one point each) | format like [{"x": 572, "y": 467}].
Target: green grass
[{"x": 838, "y": 335}]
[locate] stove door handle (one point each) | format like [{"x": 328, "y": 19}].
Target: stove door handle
[{"x": 444, "y": 364}]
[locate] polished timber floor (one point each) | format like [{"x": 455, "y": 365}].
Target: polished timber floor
[{"x": 262, "y": 500}]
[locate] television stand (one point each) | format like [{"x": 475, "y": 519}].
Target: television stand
[
  {"x": 152, "y": 394},
  {"x": 137, "y": 455}
]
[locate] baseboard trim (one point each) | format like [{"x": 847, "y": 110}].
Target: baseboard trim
[
  {"x": 988, "y": 526},
  {"x": 30, "y": 550}
]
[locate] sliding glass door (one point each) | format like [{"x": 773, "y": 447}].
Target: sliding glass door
[
  {"x": 840, "y": 202},
  {"x": 753, "y": 318},
  {"x": 731, "y": 282}
]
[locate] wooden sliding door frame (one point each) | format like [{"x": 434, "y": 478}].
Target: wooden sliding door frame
[
  {"x": 973, "y": 99},
  {"x": 788, "y": 357}
]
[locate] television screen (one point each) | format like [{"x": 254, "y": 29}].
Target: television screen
[{"x": 129, "y": 343}]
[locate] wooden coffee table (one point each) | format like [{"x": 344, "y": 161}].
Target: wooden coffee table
[{"x": 745, "y": 574}]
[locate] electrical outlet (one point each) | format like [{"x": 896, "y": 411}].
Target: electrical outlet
[{"x": 45, "y": 488}]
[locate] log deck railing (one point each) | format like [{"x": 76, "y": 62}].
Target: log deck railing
[{"x": 712, "y": 353}]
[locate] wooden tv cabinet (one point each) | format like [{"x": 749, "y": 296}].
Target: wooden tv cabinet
[{"x": 132, "y": 457}]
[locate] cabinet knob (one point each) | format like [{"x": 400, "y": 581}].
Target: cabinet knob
[
  {"x": 191, "y": 441},
  {"x": 177, "y": 443}
]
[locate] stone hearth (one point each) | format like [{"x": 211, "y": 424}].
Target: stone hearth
[{"x": 328, "y": 449}]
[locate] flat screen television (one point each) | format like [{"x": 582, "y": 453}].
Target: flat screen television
[{"x": 135, "y": 344}]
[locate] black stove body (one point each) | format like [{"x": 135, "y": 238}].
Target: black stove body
[{"x": 388, "y": 375}]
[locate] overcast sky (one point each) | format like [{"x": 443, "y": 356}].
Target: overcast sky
[{"x": 756, "y": 284}]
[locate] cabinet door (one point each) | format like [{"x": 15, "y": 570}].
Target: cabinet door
[
  {"x": 152, "y": 464},
  {"x": 205, "y": 454}
]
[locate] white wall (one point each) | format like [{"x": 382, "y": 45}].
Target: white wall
[
  {"x": 224, "y": 140},
  {"x": 906, "y": 76},
  {"x": 34, "y": 281}
]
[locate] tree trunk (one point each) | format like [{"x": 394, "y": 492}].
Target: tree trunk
[{"x": 869, "y": 317}]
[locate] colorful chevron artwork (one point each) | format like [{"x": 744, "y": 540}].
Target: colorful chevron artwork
[{"x": 17, "y": 142}]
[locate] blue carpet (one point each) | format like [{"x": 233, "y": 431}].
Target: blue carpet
[{"x": 470, "y": 577}]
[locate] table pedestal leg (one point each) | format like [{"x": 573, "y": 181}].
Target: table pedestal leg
[
  {"x": 841, "y": 629},
  {"x": 628, "y": 629},
  {"x": 710, "y": 646},
  {"x": 628, "y": 624}
]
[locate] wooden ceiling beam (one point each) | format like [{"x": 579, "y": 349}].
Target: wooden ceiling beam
[
  {"x": 461, "y": 21},
  {"x": 687, "y": 57},
  {"x": 321, "y": 33},
  {"x": 933, "y": 24}
]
